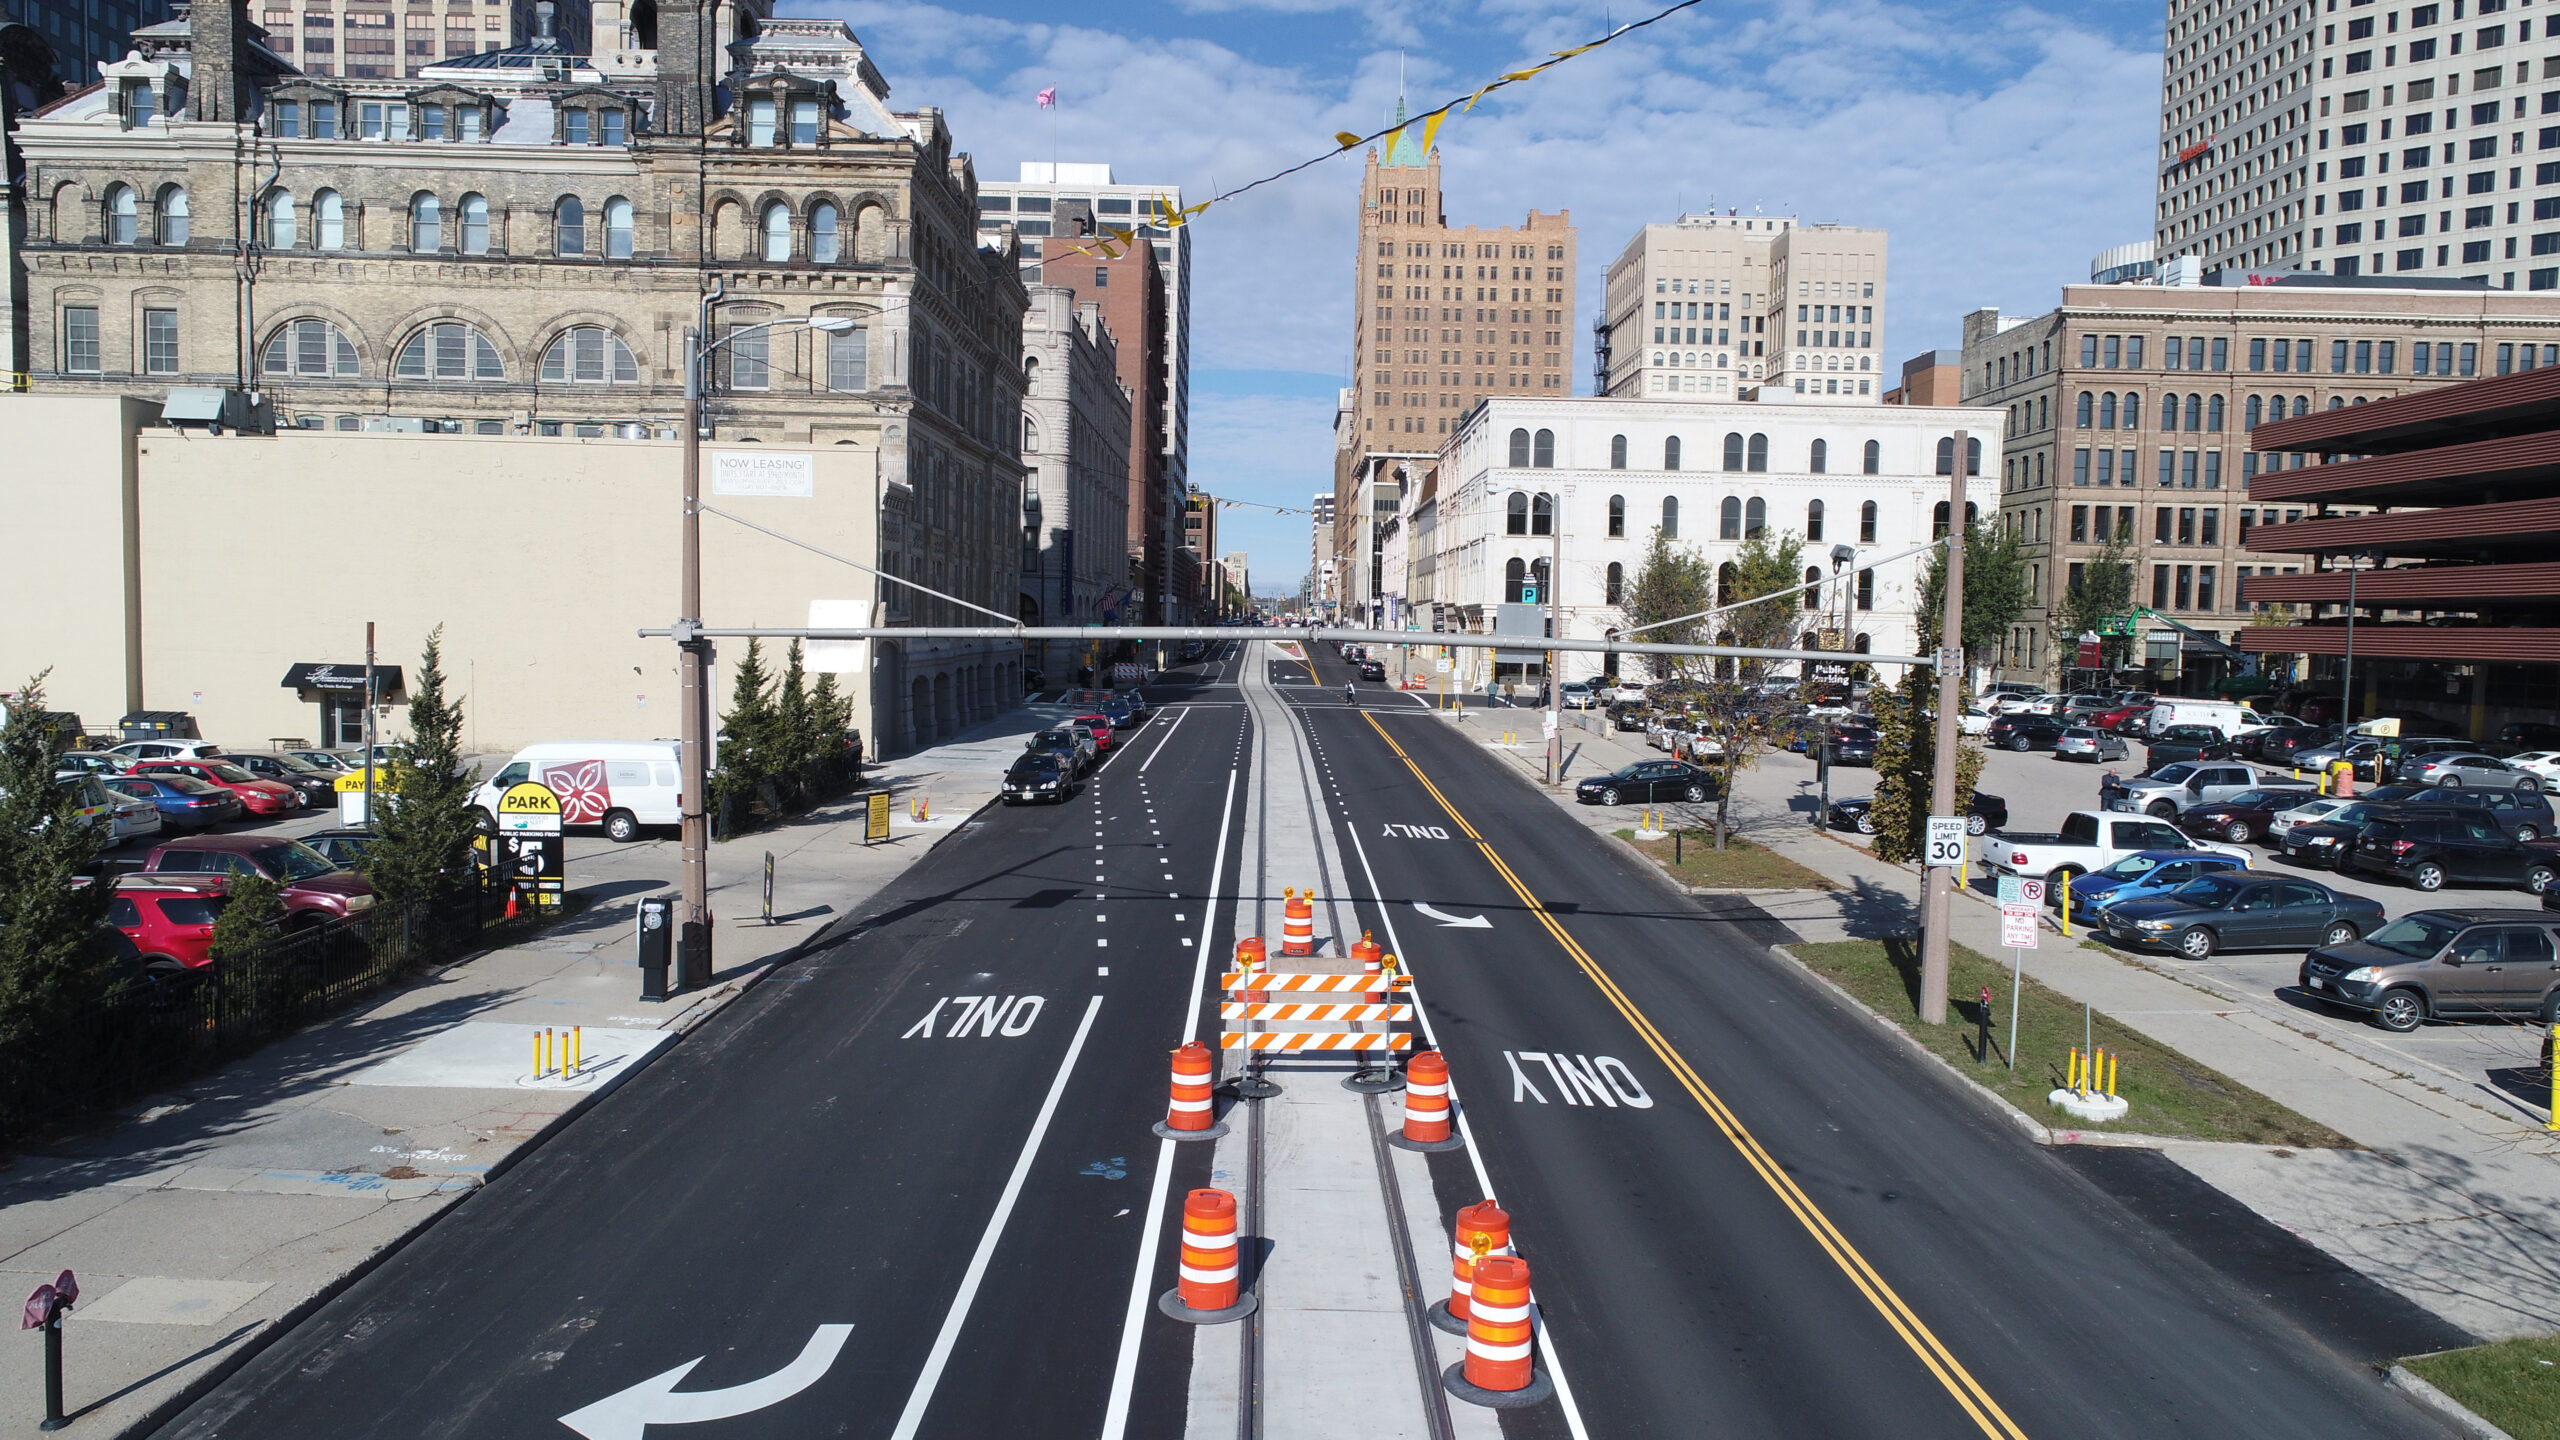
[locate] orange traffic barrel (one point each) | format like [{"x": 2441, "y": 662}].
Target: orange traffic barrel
[
  {"x": 1368, "y": 952},
  {"x": 1426, "y": 1106},
  {"x": 1500, "y": 1368},
  {"x": 1252, "y": 958},
  {"x": 1190, "y": 1115},
  {"x": 1209, "y": 1291},
  {"x": 1483, "y": 1229},
  {"x": 1297, "y": 923}
]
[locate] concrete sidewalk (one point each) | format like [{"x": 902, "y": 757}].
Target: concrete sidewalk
[
  {"x": 2455, "y": 1200},
  {"x": 209, "y": 1216}
]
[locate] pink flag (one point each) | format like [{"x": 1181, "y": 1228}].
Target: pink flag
[{"x": 1049, "y": 98}]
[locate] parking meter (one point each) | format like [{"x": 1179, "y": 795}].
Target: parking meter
[{"x": 657, "y": 935}]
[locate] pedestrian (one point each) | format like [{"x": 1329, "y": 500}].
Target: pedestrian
[{"x": 2387, "y": 769}]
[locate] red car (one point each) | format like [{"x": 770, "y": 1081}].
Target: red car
[
  {"x": 169, "y": 918},
  {"x": 2117, "y": 719},
  {"x": 315, "y": 889},
  {"x": 1100, "y": 725},
  {"x": 259, "y": 797}
]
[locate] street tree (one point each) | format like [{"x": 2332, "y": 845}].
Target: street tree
[
  {"x": 1669, "y": 582},
  {"x": 1996, "y": 590},
  {"x": 1735, "y": 715},
  {"x": 747, "y": 742},
  {"x": 1907, "y": 765},
  {"x": 54, "y": 955},
  {"x": 2103, "y": 594}
]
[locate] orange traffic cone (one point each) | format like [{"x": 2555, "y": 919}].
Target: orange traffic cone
[
  {"x": 1367, "y": 952},
  {"x": 1210, "y": 1290},
  {"x": 1426, "y": 1106},
  {"x": 1190, "y": 1116},
  {"x": 511, "y": 903},
  {"x": 1500, "y": 1368},
  {"x": 1482, "y": 1229}
]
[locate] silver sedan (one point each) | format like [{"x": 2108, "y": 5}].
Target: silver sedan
[
  {"x": 2457, "y": 769},
  {"x": 2082, "y": 742}
]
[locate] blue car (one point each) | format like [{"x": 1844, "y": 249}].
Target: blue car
[
  {"x": 2142, "y": 875},
  {"x": 184, "y": 802}
]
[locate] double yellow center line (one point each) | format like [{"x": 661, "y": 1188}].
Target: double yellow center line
[{"x": 1968, "y": 1392}]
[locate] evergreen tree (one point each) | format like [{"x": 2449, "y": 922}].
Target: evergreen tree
[
  {"x": 251, "y": 915},
  {"x": 426, "y": 824},
  {"x": 53, "y": 955},
  {"x": 747, "y": 742},
  {"x": 794, "y": 721},
  {"x": 1907, "y": 765}
]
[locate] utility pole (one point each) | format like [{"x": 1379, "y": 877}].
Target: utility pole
[
  {"x": 693, "y": 921},
  {"x": 1555, "y": 630},
  {"x": 1937, "y": 881},
  {"x": 372, "y": 697}
]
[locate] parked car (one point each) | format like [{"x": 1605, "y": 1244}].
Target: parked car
[
  {"x": 133, "y": 816},
  {"x": 1136, "y": 700},
  {"x": 314, "y": 890},
  {"x": 1577, "y": 694},
  {"x": 1039, "y": 775},
  {"x": 2009, "y": 695},
  {"x": 1852, "y": 744},
  {"x": 2088, "y": 841},
  {"x": 2244, "y": 910},
  {"x": 322, "y": 760},
  {"x": 1121, "y": 714},
  {"x": 2543, "y": 764},
  {"x": 2173, "y": 789},
  {"x": 2522, "y": 816},
  {"x": 2303, "y": 813},
  {"x": 2249, "y": 815},
  {"x": 258, "y": 797},
  {"x": 1099, "y": 726},
  {"x": 2023, "y": 732},
  {"x": 2325, "y": 842},
  {"x": 1373, "y": 670},
  {"x": 169, "y": 918},
  {"x": 1974, "y": 721},
  {"x": 2429, "y": 850},
  {"x": 2437, "y": 963},
  {"x": 1075, "y": 746},
  {"x": 165, "y": 749},
  {"x": 1624, "y": 717},
  {"x": 2084, "y": 742},
  {"x": 345, "y": 848},
  {"x": 319, "y": 787},
  {"x": 2463, "y": 770},
  {"x": 2185, "y": 742},
  {"x": 2530, "y": 734},
  {"x": 184, "y": 802},
  {"x": 2124, "y": 719},
  {"x": 93, "y": 762},
  {"x": 1628, "y": 690},
  {"x": 1649, "y": 780},
  {"x": 2283, "y": 746},
  {"x": 1985, "y": 814},
  {"x": 2143, "y": 875}
]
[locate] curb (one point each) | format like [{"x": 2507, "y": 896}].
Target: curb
[{"x": 2406, "y": 1379}]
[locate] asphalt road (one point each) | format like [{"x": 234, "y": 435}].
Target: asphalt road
[{"x": 1763, "y": 1218}]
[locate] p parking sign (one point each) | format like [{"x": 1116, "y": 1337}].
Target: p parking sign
[{"x": 1946, "y": 841}]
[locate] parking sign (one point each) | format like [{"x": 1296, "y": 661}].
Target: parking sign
[{"x": 1946, "y": 841}]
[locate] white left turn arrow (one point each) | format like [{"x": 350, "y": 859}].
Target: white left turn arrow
[
  {"x": 625, "y": 1414},
  {"x": 1454, "y": 922}
]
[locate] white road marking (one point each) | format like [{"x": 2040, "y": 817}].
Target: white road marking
[{"x": 627, "y": 1414}]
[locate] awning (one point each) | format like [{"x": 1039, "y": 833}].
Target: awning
[{"x": 335, "y": 679}]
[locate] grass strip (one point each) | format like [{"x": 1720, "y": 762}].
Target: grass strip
[
  {"x": 1741, "y": 865},
  {"x": 2171, "y": 1094},
  {"x": 2514, "y": 1384}
]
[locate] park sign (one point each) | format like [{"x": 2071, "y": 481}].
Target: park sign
[{"x": 529, "y": 808}]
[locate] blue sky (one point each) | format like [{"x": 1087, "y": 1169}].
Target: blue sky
[{"x": 2002, "y": 144}]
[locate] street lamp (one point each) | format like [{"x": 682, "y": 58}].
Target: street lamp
[
  {"x": 693, "y": 932},
  {"x": 2347, "y": 668}
]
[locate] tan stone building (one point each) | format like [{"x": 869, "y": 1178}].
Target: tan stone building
[
  {"x": 2131, "y": 406},
  {"x": 524, "y": 241},
  {"x": 1075, "y": 443},
  {"x": 1714, "y": 306},
  {"x": 1445, "y": 317}
]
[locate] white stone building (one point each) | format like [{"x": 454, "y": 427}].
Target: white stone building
[
  {"x": 1712, "y": 473},
  {"x": 1075, "y": 456}
]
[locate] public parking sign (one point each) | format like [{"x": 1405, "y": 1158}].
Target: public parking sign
[
  {"x": 529, "y": 808},
  {"x": 1946, "y": 841}
]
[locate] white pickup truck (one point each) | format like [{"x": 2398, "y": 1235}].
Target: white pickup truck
[{"x": 2090, "y": 840}]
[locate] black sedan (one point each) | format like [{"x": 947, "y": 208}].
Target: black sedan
[
  {"x": 1649, "y": 780},
  {"x": 1986, "y": 814},
  {"x": 319, "y": 788},
  {"x": 1852, "y": 744},
  {"x": 2023, "y": 732},
  {"x": 2244, "y": 910},
  {"x": 1373, "y": 670},
  {"x": 1038, "y": 776}
]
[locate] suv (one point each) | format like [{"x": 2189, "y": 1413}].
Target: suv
[
  {"x": 2185, "y": 742},
  {"x": 169, "y": 918},
  {"x": 2525, "y": 817},
  {"x": 2428, "y": 850},
  {"x": 314, "y": 890},
  {"x": 2431, "y": 963},
  {"x": 166, "y": 750}
]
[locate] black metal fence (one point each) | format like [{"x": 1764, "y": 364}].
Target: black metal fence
[{"x": 158, "y": 1027}]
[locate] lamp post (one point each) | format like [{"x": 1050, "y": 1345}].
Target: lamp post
[
  {"x": 2347, "y": 683},
  {"x": 693, "y": 928}
]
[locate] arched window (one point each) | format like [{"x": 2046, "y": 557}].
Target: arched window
[
  {"x": 1671, "y": 517},
  {"x": 2250, "y": 413},
  {"x": 426, "y": 223},
  {"x": 2133, "y": 410},
  {"x": 329, "y": 220},
  {"x": 1542, "y": 450},
  {"x": 1947, "y": 455},
  {"x": 2107, "y": 411},
  {"x": 1973, "y": 455},
  {"x": 776, "y": 226},
  {"x": 1759, "y": 452},
  {"x": 1972, "y": 515},
  {"x": 281, "y": 218},
  {"x": 617, "y": 229},
  {"x": 1875, "y": 457},
  {"x": 1867, "y": 523},
  {"x": 1617, "y": 516},
  {"x": 1514, "y": 571},
  {"x": 173, "y": 215},
  {"x": 312, "y": 349},
  {"x": 1813, "y": 520},
  {"x": 2212, "y": 413},
  {"x": 1516, "y": 518},
  {"x": 1030, "y": 434},
  {"x": 1755, "y": 518},
  {"x": 1727, "y": 582},
  {"x": 1616, "y": 582},
  {"x": 823, "y": 247},
  {"x": 474, "y": 214},
  {"x": 590, "y": 355},
  {"x": 1866, "y": 601},
  {"x": 1617, "y": 452},
  {"x": 448, "y": 350},
  {"x": 1030, "y": 374},
  {"x": 2086, "y": 401},
  {"x": 1538, "y": 574},
  {"x": 2301, "y": 406},
  {"x": 1542, "y": 514},
  {"x": 2169, "y": 411},
  {"x": 124, "y": 215},
  {"x": 568, "y": 225},
  {"x": 1729, "y": 518},
  {"x": 1820, "y": 461},
  {"x": 1733, "y": 450},
  {"x": 1519, "y": 449},
  {"x": 1938, "y": 521},
  {"x": 1671, "y": 453},
  {"x": 1812, "y": 587}
]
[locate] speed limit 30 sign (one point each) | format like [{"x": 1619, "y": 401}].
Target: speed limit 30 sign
[{"x": 1946, "y": 841}]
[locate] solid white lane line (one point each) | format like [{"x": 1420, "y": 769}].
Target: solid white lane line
[
  {"x": 1124, "y": 1370},
  {"x": 1168, "y": 734},
  {"x": 922, "y": 1395}
]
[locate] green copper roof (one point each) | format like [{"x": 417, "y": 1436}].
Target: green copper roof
[{"x": 1406, "y": 148}]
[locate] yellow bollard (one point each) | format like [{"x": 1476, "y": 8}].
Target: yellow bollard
[
  {"x": 2111, "y": 1074},
  {"x": 577, "y": 1046},
  {"x": 2071, "y": 1072},
  {"x": 2066, "y": 907},
  {"x": 542, "y": 1053},
  {"x": 537, "y": 1055},
  {"x": 2553, "y": 1065}
]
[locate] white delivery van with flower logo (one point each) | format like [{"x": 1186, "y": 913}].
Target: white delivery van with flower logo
[{"x": 618, "y": 785}]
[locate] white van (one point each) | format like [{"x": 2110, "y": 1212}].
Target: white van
[
  {"x": 620, "y": 785},
  {"x": 2222, "y": 715}
]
